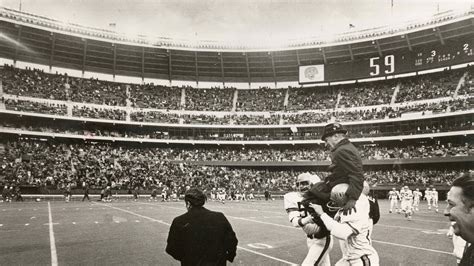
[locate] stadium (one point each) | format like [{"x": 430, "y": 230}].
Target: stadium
[{"x": 87, "y": 106}]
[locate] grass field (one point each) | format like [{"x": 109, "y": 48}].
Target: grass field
[{"x": 134, "y": 233}]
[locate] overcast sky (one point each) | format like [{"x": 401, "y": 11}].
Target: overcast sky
[{"x": 253, "y": 20}]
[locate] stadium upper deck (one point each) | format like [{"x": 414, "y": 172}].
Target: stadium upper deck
[{"x": 355, "y": 55}]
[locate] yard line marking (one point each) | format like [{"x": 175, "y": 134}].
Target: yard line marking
[
  {"x": 137, "y": 221},
  {"x": 402, "y": 227},
  {"x": 139, "y": 215},
  {"x": 421, "y": 220},
  {"x": 73, "y": 222},
  {"x": 239, "y": 247},
  {"x": 32, "y": 218},
  {"x": 52, "y": 242},
  {"x": 27, "y": 224},
  {"x": 49, "y": 223},
  {"x": 1, "y": 225},
  {"x": 265, "y": 255},
  {"x": 407, "y": 246}
]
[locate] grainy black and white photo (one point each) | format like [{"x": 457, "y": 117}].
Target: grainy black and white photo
[{"x": 237, "y": 132}]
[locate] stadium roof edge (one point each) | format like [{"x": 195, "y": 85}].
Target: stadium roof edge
[{"x": 52, "y": 25}]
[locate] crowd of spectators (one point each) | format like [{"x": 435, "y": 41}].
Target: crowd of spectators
[
  {"x": 33, "y": 83},
  {"x": 422, "y": 177},
  {"x": 99, "y": 113},
  {"x": 429, "y": 86},
  {"x": 155, "y": 96},
  {"x": 366, "y": 94},
  {"x": 273, "y": 119},
  {"x": 206, "y": 119},
  {"x": 306, "y": 118},
  {"x": 54, "y": 164},
  {"x": 36, "y": 107},
  {"x": 314, "y": 98},
  {"x": 213, "y": 99},
  {"x": 262, "y": 99},
  {"x": 97, "y": 91},
  {"x": 468, "y": 87},
  {"x": 154, "y": 117},
  {"x": 273, "y": 134}
]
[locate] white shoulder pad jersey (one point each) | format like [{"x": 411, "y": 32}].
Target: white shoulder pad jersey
[
  {"x": 359, "y": 243},
  {"x": 291, "y": 205}
]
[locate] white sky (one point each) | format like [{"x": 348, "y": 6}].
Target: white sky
[{"x": 227, "y": 20}]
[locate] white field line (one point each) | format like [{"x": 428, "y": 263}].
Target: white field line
[
  {"x": 288, "y": 226},
  {"x": 239, "y": 247},
  {"x": 52, "y": 242}
]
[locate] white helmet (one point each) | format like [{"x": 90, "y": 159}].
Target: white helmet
[
  {"x": 306, "y": 180},
  {"x": 338, "y": 197}
]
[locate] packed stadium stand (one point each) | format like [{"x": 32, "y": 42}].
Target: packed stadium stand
[{"x": 413, "y": 123}]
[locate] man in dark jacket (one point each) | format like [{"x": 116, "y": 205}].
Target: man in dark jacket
[
  {"x": 460, "y": 211},
  {"x": 201, "y": 236},
  {"x": 346, "y": 164}
]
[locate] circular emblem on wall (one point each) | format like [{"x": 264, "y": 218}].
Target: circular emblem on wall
[{"x": 311, "y": 72}]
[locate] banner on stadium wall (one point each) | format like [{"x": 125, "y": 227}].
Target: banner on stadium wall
[{"x": 311, "y": 73}]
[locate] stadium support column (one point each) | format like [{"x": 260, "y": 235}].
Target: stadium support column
[
  {"x": 273, "y": 69},
  {"x": 114, "y": 67},
  {"x": 440, "y": 36},
  {"x": 248, "y": 67},
  {"x": 408, "y": 42},
  {"x": 324, "y": 55},
  {"x": 170, "y": 73},
  {"x": 196, "y": 65},
  {"x": 84, "y": 57},
  {"x": 18, "y": 41},
  {"x": 298, "y": 58},
  {"x": 377, "y": 44},
  {"x": 52, "y": 37},
  {"x": 350, "y": 51},
  {"x": 143, "y": 64},
  {"x": 222, "y": 68}
]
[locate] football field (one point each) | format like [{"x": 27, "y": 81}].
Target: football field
[{"x": 134, "y": 233}]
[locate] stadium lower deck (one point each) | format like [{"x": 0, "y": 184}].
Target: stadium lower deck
[{"x": 125, "y": 232}]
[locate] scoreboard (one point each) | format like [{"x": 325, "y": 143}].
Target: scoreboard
[{"x": 420, "y": 58}]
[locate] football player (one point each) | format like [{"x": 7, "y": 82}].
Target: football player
[
  {"x": 416, "y": 198},
  {"x": 393, "y": 197},
  {"x": 428, "y": 197},
  {"x": 352, "y": 228},
  {"x": 318, "y": 238},
  {"x": 434, "y": 199},
  {"x": 406, "y": 204}
]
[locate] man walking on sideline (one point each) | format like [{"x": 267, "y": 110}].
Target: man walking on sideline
[{"x": 201, "y": 236}]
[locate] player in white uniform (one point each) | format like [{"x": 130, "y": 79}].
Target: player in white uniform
[
  {"x": 416, "y": 198},
  {"x": 393, "y": 197},
  {"x": 406, "y": 196},
  {"x": 434, "y": 198},
  {"x": 318, "y": 240},
  {"x": 428, "y": 197},
  {"x": 353, "y": 228}
]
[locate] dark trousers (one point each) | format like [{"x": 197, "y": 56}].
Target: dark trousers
[{"x": 86, "y": 195}]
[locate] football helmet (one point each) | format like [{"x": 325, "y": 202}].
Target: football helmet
[
  {"x": 306, "y": 180},
  {"x": 338, "y": 197}
]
